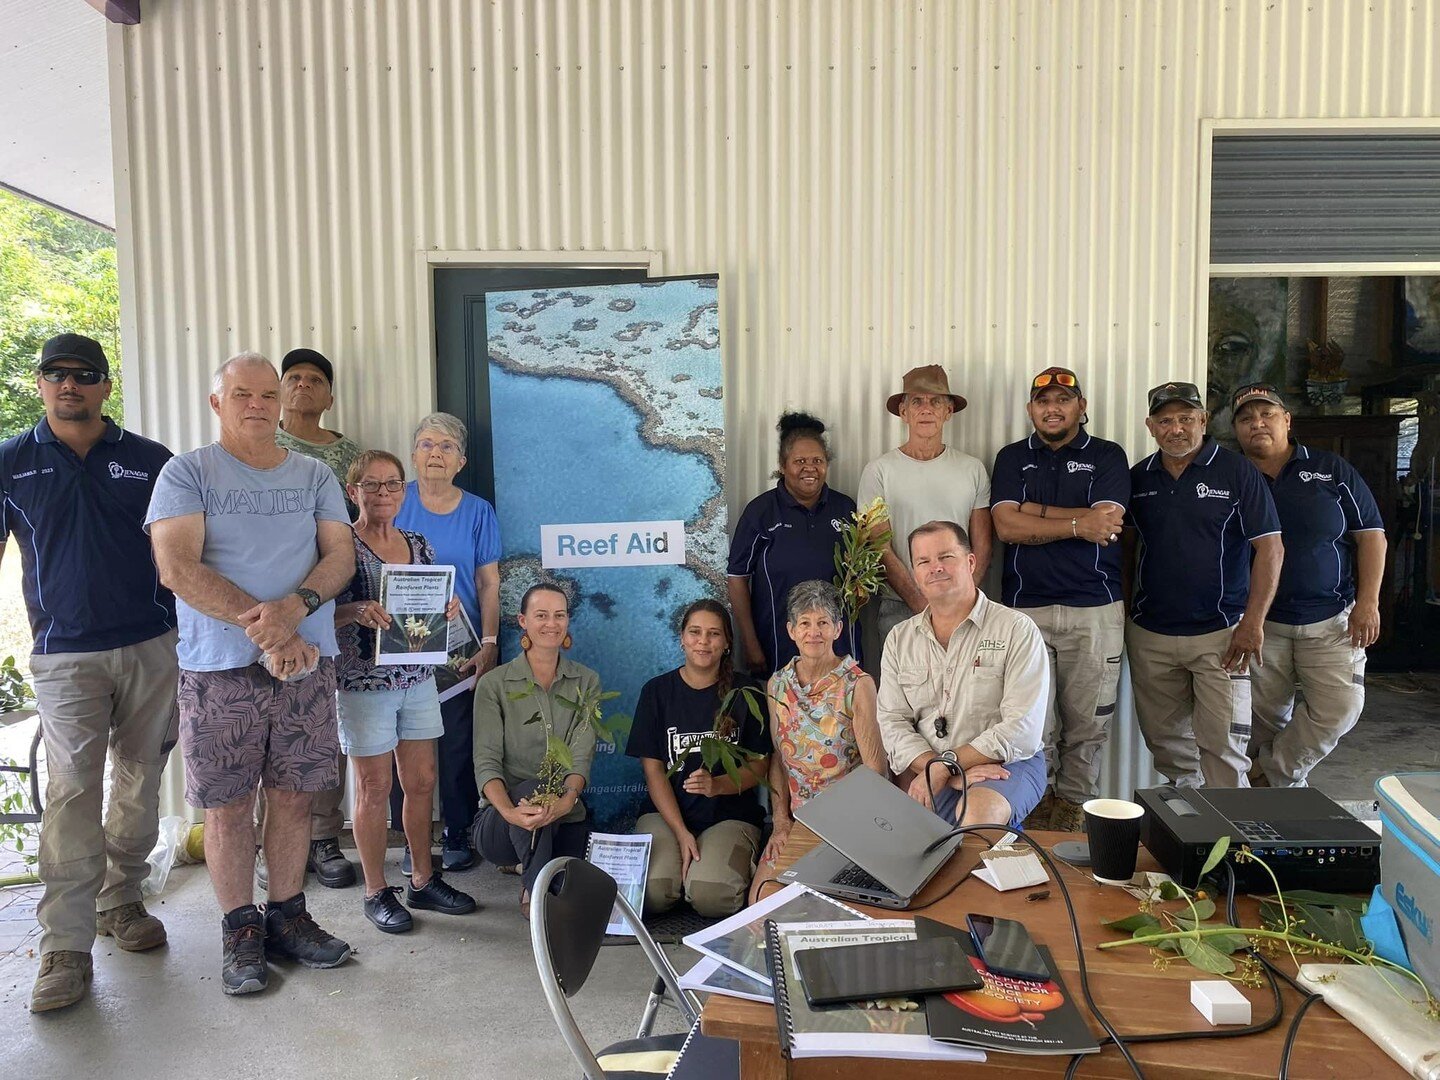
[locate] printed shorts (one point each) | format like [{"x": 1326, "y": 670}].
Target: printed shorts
[{"x": 241, "y": 728}]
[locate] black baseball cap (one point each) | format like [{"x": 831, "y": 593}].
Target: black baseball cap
[
  {"x": 74, "y": 347},
  {"x": 308, "y": 356},
  {"x": 1186, "y": 393},
  {"x": 1256, "y": 392}
]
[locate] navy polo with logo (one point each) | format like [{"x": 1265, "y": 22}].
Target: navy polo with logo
[
  {"x": 90, "y": 581},
  {"x": 1084, "y": 473},
  {"x": 1321, "y": 501},
  {"x": 778, "y": 543},
  {"x": 1195, "y": 532}
]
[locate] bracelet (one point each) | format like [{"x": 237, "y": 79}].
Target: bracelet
[
  {"x": 488, "y": 639},
  {"x": 1074, "y": 531}
]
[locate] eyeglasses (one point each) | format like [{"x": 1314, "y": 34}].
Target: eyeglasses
[
  {"x": 446, "y": 447},
  {"x": 82, "y": 376},
  {"x": 1054, "y": 378},
  {"x": 370, "y": 487}
]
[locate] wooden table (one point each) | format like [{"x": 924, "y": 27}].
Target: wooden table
[{"x": 1135, "y": 996}]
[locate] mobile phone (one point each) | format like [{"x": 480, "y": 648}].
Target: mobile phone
[
  {"x": 1005, "y": 947},
  {"x": 883, "y": 970}
]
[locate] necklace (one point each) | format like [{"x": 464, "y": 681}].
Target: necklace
[{"x": 942, "y": 721}]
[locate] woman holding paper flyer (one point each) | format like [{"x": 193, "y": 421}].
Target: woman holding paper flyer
[
  {"x": 822, "y": 710},
  {"x": 388, "y": 709},
  {"x": 704, "y": 827}
]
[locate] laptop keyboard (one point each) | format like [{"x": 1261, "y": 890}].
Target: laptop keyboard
[{"x": 855, "y": 878}]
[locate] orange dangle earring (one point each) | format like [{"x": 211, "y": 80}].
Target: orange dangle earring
[
  {"x": 567, "y": 642},
  {"x": 525, "y": 643}
]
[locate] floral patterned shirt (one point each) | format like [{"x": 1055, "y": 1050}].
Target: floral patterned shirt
[
  {"x": 816, "y": 727},
  {"x": 356, "y": 668}
]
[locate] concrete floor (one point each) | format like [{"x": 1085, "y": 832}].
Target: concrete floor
[{"x": 456, "y": 998}]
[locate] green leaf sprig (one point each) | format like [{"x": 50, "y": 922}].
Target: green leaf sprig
[
  {"x": 720, "y": 746},
  {"x": 860, "y": 556}
]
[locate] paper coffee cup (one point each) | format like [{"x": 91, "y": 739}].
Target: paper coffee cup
[{"x": 1113, "y": 826}]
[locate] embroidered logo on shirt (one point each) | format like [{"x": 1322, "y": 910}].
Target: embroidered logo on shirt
[
  {"x": 992, "y": 645},
  {"x": 1308, "y": 476},
  {"x": 1205, "y": 491},
  {"x": 1079, "y": 466},
  {"x": 119, "y": 472},
  {"x": 22, "y": 475},
  {"x": 836, "y": 524}
]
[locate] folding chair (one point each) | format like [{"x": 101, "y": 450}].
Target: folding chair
[
  {"x": 569, "y": 909},
  {"x": 30, "y": 772}
]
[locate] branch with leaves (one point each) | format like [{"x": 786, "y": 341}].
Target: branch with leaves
[
  {"x": 860, "y": 555},
  {"x": 720, "y": 746},
  {"x": 558, "y": 761}
]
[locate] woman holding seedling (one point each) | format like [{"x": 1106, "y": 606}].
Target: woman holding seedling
[
  {"x": 535, "y": 726},
  {"x": 701, "y": 740}
]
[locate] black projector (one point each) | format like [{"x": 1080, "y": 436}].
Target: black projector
[{"x": 1308, "y": 840}]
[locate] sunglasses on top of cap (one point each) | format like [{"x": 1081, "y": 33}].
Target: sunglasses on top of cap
[
  {"x": 82, "y": 376},
  {"x": 1054, "y": 378}
]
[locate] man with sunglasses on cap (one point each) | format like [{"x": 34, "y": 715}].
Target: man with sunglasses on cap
[
  {"x": 74, "y": 490},
  {"x": 1058, "y": 499},
  {"x": 922, "y": 480},
  {"x": 1199, "y": 513},
  {"x": 1327, "y": 607}
]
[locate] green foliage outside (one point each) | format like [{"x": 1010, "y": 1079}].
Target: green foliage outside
[{"x": 57, "y": 275}]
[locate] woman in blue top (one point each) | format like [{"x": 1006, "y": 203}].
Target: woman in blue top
[
  {"x": 462, "y": 529},
  {"x": 786, "y": 536}
]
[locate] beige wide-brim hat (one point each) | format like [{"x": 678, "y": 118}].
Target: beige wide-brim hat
[{"x": 930, "y": 379}]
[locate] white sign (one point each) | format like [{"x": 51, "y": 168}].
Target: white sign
[{"x": 612, "y": 543}]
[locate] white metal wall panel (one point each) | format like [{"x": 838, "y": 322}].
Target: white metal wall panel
[{"x": 995, "y": 186}]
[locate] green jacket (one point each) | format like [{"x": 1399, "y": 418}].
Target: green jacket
[{"x": 509, "y": 749}]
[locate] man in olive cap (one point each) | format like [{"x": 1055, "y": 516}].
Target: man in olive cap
[{"x": 922, "y": 480}]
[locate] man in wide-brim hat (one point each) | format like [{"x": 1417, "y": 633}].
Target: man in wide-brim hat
[{"x": 922, "y": 480}]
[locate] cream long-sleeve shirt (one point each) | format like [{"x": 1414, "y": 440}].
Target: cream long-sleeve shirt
[{"x": 991, "y": 682}]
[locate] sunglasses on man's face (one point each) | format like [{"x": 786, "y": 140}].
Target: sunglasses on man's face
[
  {"x": 82, "y": 376},
  {"x": 1054, "y": 378}
]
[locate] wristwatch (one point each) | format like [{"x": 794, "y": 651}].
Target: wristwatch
[
  {"x": 950, "y": 761},
  {"x": 310, "y": 598}
]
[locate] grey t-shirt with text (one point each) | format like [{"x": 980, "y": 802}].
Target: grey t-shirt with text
[{"x": 260, "y": 533}]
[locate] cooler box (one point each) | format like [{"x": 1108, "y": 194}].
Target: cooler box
[{"x": 1410, "y": 865}]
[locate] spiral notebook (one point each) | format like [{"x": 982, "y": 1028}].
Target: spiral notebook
[
  {"x": 704, "y": 1057},
  {"x": 893, "y": 1029}
]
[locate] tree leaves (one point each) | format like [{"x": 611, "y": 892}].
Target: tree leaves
[
  {"x": 1216, "y": 854},
  {"x": 1203, "y": 955},
  {"x": 1130, "y": 923}
]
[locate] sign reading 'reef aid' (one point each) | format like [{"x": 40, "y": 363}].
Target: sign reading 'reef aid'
[{"x": 612, "y": 543}]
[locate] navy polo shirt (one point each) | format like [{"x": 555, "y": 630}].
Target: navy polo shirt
[
  {"x": 1195, "y": 533},
  {"x": 1321, "y": 500},
  {"x": 89, "y": 578},
  {"x": 778, "y": 543},
  {"x": 1085, "y": 472}
]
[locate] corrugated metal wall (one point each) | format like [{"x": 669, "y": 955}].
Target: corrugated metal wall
[{"x": 993, "y": 186}]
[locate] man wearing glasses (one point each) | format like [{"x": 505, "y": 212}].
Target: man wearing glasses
[
  {"x": 1197, "y": 619},
  {"x": 74, "y": 490},
  {"x": 1327, "y": 606},
  {"x": 1058, "y": 499}
]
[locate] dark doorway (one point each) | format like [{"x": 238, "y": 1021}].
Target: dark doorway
[{"x": 462, "y": 380}]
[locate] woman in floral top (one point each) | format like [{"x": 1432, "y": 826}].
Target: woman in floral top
[
  {"x": 389, "y": 711},
  {"x": 822, "y": 710}
]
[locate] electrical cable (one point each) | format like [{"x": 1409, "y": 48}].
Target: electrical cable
[{"x": 1294, "y": 1031}]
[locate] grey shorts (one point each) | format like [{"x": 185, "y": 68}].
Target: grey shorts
[{"x": 241, "y": 728}]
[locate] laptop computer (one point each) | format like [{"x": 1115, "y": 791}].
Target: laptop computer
[{"x": 875, "y": 837}]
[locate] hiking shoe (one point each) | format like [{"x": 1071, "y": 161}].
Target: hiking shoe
[
  {"x": 326, "y": 863},
  {"x": 387, "y": 913},
  {"x": 242, "y": 967},
  {"x": 457, "y": 854},
  {"x": 133, "y": 928},
  {"x": 292, "y": 933},
  {"x": 1067, "y": 816},
  {"x": 436, "y": 895},
  {"x": 64, "y": 977},
  {"x": 1044, "y": 812},
  {"x": 262, "y": 872}
]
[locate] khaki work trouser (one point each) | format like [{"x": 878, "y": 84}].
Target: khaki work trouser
[
  {"x": 717, "y": 882},
  {"x": 121, "y": 700},
  {"x": 1194, "y": 715},
  {"x": 1084, "y": 644},
  {"x": 1292, "y": 735}
]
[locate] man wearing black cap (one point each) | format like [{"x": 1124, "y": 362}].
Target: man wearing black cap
[
  {"x": 1058, "y": 499},
  {"x": 74, "y": 490},
  {"x": 1197, "y": 620},
  {"x": 306, "y": 382},
  {"x": 1327, "y": 607}
]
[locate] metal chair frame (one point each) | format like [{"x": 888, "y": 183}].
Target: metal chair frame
[{"x": 32, "y": 772}]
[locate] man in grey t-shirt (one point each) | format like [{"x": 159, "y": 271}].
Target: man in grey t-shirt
[{"x": 255, "y": 543}]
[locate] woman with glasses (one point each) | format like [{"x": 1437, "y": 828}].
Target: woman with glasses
[
  {"x": 462, "y": 529},
  {"x": 389, "y": 710}
]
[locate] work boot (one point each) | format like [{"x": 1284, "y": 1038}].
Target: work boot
[
  {"x": 64, "y": 977},
  {"x": 1044, "y": 811},
  {"x": 437, "y": 895},
  {"x": 242, "y": 967},
  {"x": 326, "y": 863},
  {"x": 1067, "y": 816},
  {"x": 133, "y": 928},
  {"x": 291, "y": 932}
]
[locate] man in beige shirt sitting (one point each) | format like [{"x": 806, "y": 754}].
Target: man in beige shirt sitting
[{"x": 963, "y": 693}]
